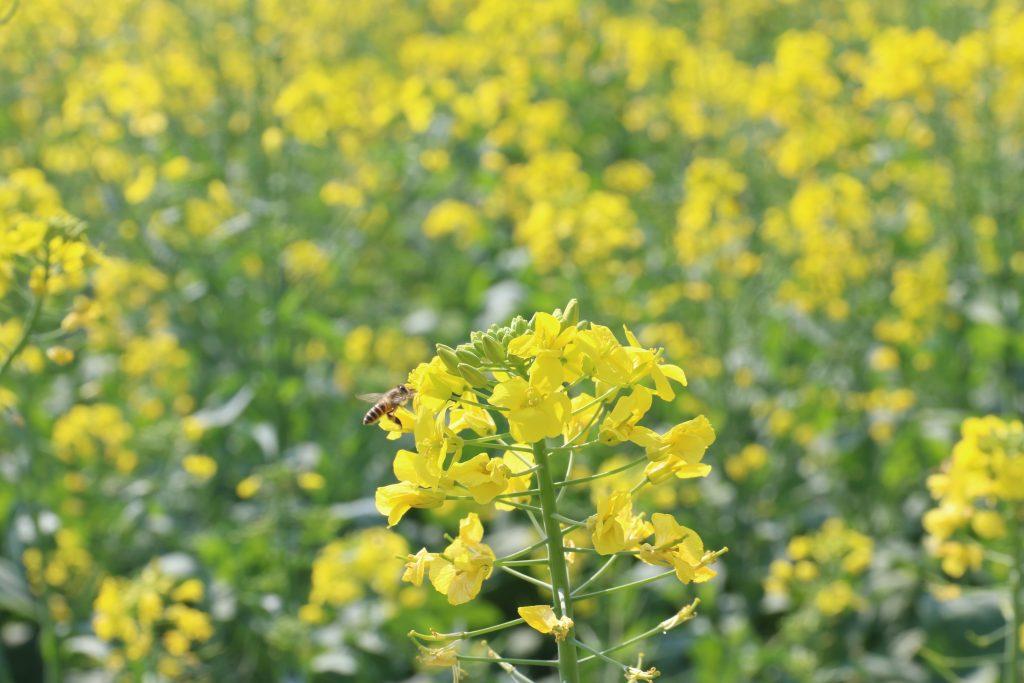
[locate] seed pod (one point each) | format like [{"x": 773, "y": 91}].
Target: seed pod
[
  {"x": 571, "y": 314},
  {"x": 466, "y": 355},
  {"x": 493, "y": 350},
  {"x": 472, "y": 375},
  {"x": 448, "y": 357}
]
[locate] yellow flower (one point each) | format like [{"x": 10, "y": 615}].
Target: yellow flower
[
  {"x": 535, "y": 409},
  {"x": 623, "y": 418},
  {"x": 484, "y": 477},
  {"x": 417, "y": 566},
  {"x": 311, "y": 481},
  {"x": 249, "y": 487},
  {"x": 614, "y": 528},
  {"x": 646, "y": 363},
  {"x": 517, "y": 462},
  {"x": 202, "y": 467},
  {"x": 312, "y": 614},
  {"x": 61, "y": 355},
  {"x": 190, "y": 590},
  {"x": 679, "y": 451},
  {"x": 473, "y": 417},
  {"x": 547, "y": 336},
  {"x": 465, "y": 563},
  {"x": 679, "y": 547},
  {"x": 434, "y": 385},
  {"x": 395, "y": 500},
  {"x": 542, "y": 618}
]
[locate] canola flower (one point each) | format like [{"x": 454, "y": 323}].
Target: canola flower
[
  {"x": 482, "y": 420},
  {"x": 823, "y": 567},
  {"x": 152, "y": 615},
  {"x": 979, "y": 516}
]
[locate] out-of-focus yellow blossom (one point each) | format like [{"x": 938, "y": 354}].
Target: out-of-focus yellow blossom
[
  {"x": 311, "y": 481},
  {"x": 249, "y": 487},
  {"x": 149, "y": 614},
  {"x": 452, "y": 217},
  {"x": 978, "y": 492},
  {"x": 751, "y": 458},
  {"x": 87, "y": 433},
  {"x": 824, "y": 566},
  {"x": 202, "y": 467},
  {"x": 345, "y": 569},
  {"x": 305, "y": 260}
]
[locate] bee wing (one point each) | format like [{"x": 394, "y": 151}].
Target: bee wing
[{"x": 370, "y": 398}]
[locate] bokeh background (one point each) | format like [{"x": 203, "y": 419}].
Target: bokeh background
[{"x": 812, "y": 206}]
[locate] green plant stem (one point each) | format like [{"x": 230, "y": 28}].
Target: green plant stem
[
  {"x": 509, "y": 660},
  {"x": 626, "y": 643},
  {"x": 459, "y": 635},
  {"x": 33, "y": 320},
  {"x": 1016, "y": 600},
  {"x": 525, "y": 577},
  {"x": 596, "y": 575},
  {"x": 624, "y": 586},
  {"x": 568, "y": 667},
  {"x": 601, "y": 475},
  {"x": 598, "y": 653}
]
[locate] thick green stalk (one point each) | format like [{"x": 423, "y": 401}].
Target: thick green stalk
[
  {"x": 568, "y": 666},
  {"x": 1013, "y": 658}
]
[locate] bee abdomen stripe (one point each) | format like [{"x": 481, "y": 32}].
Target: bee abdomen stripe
[{"x": 373, "y": 413}]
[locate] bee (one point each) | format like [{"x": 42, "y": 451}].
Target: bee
[{"x": 386, "y": 403}]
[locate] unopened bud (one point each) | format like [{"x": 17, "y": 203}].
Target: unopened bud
[
  {"x": 467, "y": 356},
  {"x": 493, "y": 350},
  {"x": 448, "y": 357},
  {"x": 472, "y": 375},
  {"x": 571, "y": 314}
]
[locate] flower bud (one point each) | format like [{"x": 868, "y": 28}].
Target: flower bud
[
  {"x": 472, "y": 375},
  {"x": 448, "y": 357},
  {"x": 571, "y": 315},
  {"x": 467, "y": 356},
  {"x": 493, "y": 350}
]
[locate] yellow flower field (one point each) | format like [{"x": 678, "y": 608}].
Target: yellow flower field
[{"x": 700, "y": 325}]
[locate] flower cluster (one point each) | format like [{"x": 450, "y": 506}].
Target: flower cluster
[
  {"x": 824, "y": 567},
  {"x": 978, "y": 494},
  {"x": 481, "y": 420},
  {"x": 346, "y": 570},
  {"x": 152, "y": 615}
]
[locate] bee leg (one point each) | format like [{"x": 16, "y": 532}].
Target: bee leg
[{"x": 391, "y": 416}]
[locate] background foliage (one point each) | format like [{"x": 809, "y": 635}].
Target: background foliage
[{"x": 812, "y": 206}]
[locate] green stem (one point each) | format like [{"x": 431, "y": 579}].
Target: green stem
[
  {"x": 509, "y": 660},
  {"x": 1016, "y": 601},
  {"x": 33, "y": 319},
  {"x": 460, "y": 635},
  {"x": 624, "y": 586},
  {"x": 601, "y": 475},
  {"x": 524, "y": 577},
  {"x": 596, "y": 575},
  {"x": 568, "y": 668}
]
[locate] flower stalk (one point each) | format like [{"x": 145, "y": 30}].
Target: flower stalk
[{"x": 568, "y": 666}]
